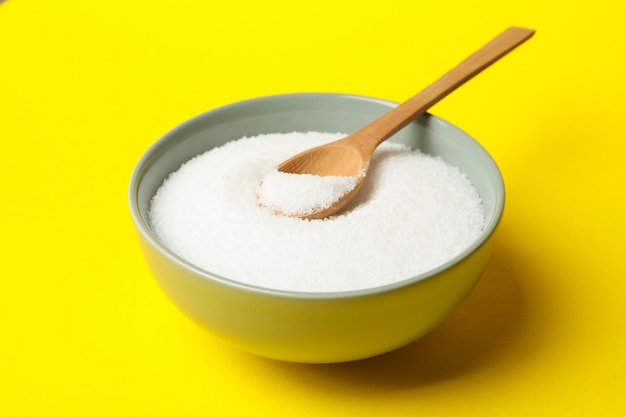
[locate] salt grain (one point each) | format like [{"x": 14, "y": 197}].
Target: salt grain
[{"x": 413, "y": 213}]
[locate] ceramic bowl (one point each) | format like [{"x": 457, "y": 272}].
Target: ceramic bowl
[{"x": 314, "y": 327}]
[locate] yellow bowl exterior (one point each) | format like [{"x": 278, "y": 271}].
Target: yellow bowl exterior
[{"x": 317, "y": 329}]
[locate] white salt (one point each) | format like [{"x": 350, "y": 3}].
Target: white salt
[
  {"x": 298, "y": 194},
  {"x": 413, "y": 213}
]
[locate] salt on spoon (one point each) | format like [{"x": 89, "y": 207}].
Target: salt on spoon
[
  {"x": 299, "y": 194},
  {"x": 350, "y": 156}
]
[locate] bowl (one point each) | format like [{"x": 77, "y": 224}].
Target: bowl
[{"x": 314, "y": 327}]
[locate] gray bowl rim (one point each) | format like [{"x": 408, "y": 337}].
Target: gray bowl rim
[{"x": 144, "y": 229}]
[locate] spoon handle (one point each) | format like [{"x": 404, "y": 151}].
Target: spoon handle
[{"x": 382, "y": 128}]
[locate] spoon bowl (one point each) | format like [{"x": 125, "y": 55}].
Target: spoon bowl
[
  {"x": 338, "y": 158},
  {"x": 350, "y": 156}
]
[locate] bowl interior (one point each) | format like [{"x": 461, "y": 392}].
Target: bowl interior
[{"x": 311, "y": 112}]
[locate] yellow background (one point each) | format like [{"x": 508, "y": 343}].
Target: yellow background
[{"x": 87, "y": 86}]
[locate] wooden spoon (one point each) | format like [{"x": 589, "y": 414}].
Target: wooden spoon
[{"x": 350, "y": 156}]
